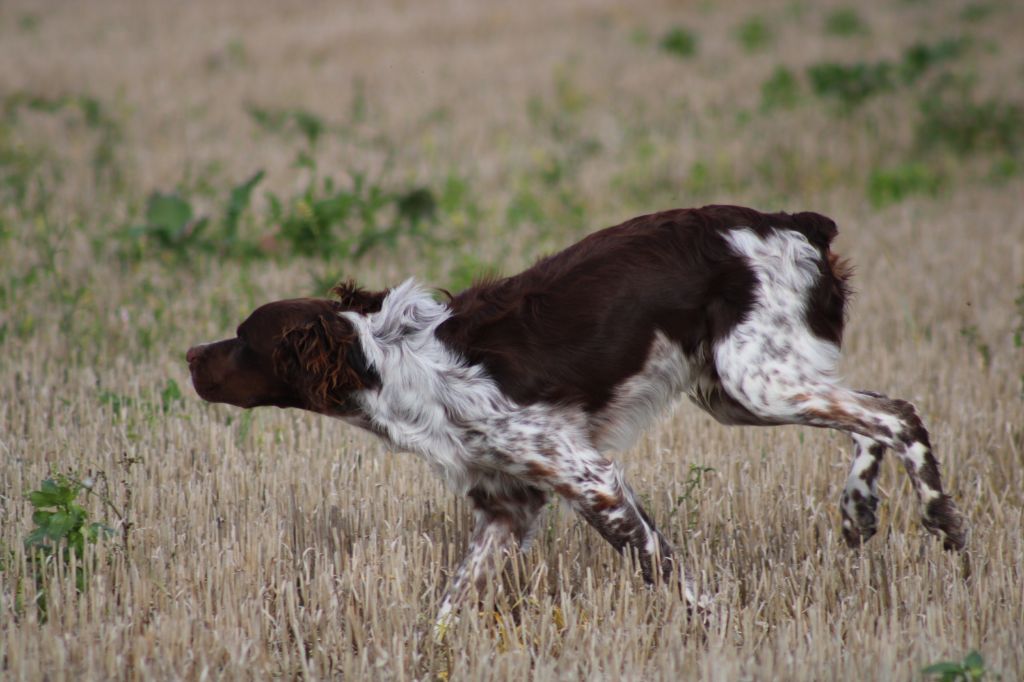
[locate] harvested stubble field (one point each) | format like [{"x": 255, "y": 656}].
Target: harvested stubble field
[{"x": 441, "y": 140}]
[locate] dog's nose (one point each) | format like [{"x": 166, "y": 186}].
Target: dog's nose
[{"x": 193, "y": 354}]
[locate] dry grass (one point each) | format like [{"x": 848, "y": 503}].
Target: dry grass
[{"x": 281, "y": 544}]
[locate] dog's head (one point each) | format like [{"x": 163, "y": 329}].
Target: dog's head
[{"x": 293, "y": 353}]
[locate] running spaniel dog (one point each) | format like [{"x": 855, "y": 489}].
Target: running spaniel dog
[{"x": 520, "y": 387}]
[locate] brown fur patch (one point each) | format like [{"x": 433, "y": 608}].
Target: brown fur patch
[
  {"x": 604, "y": 501},
  {"x": 841, "y": 267},
  {"x": 566, "y": 491},
  {"x": 353, "y": 297},
  {"x": 314, "y": 356},
  {"x": 538, "y": 471}
]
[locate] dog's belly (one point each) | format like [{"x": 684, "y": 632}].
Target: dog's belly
[{"x": 667, "y": 374}]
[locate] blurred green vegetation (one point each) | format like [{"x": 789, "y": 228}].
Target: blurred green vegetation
[
  {"x": 336, "y": 219},
  {"x": 845, "y": 22},
  {"x": 755, "y": 34},
  {"x": 679, "y": 42}
]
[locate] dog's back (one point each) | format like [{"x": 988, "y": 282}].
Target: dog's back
[{"x": 578, "y": 323}]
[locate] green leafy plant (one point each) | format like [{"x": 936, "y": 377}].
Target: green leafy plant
[
  {"x": 850, "y": 84},
  {"x": 327, "y": 219},
  {"x": 845, "y": 22},
  {"x": 780, "y": 91},
  {"x": 891, "y": 185},
  {"x": 1005, "y": 167},
  {"x": 61, "y": 531},
  {"x": 754, "y": 34},
  {"x": 144, "y": 410},
  {"x": 116, "y": 401},
  {"x": 28, "y": 22},
  {"x": 968, "y": 670},
  {"x": 237, "y": 204},
  {"x": 688, "y": 498},
  {"x": 170, "y": 395},
  {"x": 920, "y": 57},
  {"x": 58, "y": 517},
  {"x": 953, "y": 118},
  {"x": 284, "y": 121},
  {"x": 680, "y": 42},
  {"x": 976, "y": 11},
  {"x": 170, "y": 223},
  {"x": 171, "y": 226},
  {"x": 244, "y": 427}
]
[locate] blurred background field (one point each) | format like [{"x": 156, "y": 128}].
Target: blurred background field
[{"x": 166, "y": 167}]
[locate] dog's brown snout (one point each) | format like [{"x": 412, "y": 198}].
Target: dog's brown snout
[{"x": 193, "y": 354}]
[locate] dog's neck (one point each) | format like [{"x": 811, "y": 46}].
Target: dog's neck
[{"x": 428, "y": 393}]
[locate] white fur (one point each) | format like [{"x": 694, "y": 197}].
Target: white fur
[
  {"x": 772, "y": 356},
  {"x": 422, "y": 382},
  {"x": 862, "y": 461},
  {"x": 667, "y": 373},
  {"x": 431, "y": 402}
]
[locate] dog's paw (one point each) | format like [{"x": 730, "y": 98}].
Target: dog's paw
[{"x": 445, "y": 621}]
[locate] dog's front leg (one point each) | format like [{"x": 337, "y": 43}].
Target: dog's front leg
[
  {"x": 609, "y": 505},
  {"x": 595, "y": 488},
  {"x": 505, "y": 515}
]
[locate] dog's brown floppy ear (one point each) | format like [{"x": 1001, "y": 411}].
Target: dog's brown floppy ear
[
  {"x": 353, "y": 297},
  {"x": 323, "y": 359}
]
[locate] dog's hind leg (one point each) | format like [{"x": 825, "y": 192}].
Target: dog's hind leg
[
  {"x": 894, "y": 424},
  {"x": 859, "y": 500},
  {"x": 786, "y": 391},
  {"x": 782, "y": 370}
]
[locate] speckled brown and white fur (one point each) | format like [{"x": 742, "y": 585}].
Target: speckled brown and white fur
[
  {"x": 520, "y": 388},
  {"x": 508, "y": 457},
  {"x": 781, "y": 372}
]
